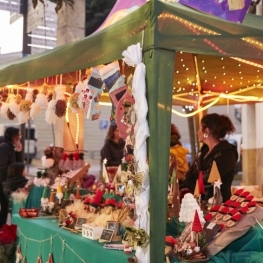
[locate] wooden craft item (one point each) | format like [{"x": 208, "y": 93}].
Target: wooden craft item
[{"x": 214, "y": 174}]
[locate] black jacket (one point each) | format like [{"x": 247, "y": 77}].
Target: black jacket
[
  {"x": 225, "y": 155},
  {"x": 113, "y": 152},
  {"x": 7, "y": 156}
]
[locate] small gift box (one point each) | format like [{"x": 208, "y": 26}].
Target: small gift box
[{"x": 91, "y": 232}]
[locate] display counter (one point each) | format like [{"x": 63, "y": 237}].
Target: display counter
[{"x": 41, "y": 236}]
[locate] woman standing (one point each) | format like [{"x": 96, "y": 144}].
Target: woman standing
[
  {"x": 211, "y": 133},
  {"x": 9, "y": 145},
  {"x": 113, "y": 149}
]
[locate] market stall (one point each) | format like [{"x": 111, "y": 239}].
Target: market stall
[{"x": 162, "y": 29}]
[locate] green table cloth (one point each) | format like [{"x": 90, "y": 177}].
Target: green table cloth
[{"x": 40, "y": 236}]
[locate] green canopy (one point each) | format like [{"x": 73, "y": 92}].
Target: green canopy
[{"x": 163, "y": 29}]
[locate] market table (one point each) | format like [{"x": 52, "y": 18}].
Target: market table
[{"x": 40, "y": 236}]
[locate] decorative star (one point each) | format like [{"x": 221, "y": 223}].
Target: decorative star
[
  {"x": 217, "y": 183},
  {"x": 19, "y": 255}
]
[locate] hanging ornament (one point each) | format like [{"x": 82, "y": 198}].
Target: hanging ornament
[
  {"x": 50, "y": 258},
  {"x": 24, "y": 261},
  {"x": 61, "y": 164},
  {"x": 39, "y": 259},
  {"x": 34, "y": 110},
  {"x": 19, "y": 255}
]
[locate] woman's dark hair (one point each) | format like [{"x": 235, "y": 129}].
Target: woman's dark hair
[
  {"x": 15, "y": 169},
  {"x": 11, "y": 132},
  {"x": 218, "y": 125},
  {"x": 110, "y": 134},
  {"x": 175, "y": 136}
]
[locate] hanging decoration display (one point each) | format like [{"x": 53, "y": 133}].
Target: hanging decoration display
[{"x": 133, "y": 57}]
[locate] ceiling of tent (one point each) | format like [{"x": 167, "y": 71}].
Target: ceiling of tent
[
  {"x": 206, "y": 64},
  {"x": 205, "y": 79}
]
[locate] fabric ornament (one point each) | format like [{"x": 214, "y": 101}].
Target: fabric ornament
[
  {"x": 10, "y": 115},
  {"x": 73, "y": 102},
  {"x": 14, "y": 106},
  {"x": 118, "y": 90},
  {"x": 50, "y": 258},
  {"x": 61, "y": 164},
  {"x": 41, "y": 100},
  {"x": 110, "y": 74},
  {"x": 34, "y": 110},
  {"x": 93, "y": 91},
  {"x": 29, "y": 95},
  {"x": 23, "y": 117},
  {"x": 61, "y": 105},
  {"x": 39, "y": 259},
  {"x": 50, "y": 115},
  {"x": 75, "y": 164},
  {"x": 81, "y": 159},
  {"x": 4, "y": 109},
  {"x": 124, "y": 111},
  {"x": 69, "y": 162}
]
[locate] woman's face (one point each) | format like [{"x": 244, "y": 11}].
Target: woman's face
[{"x": 116, "y": 135}]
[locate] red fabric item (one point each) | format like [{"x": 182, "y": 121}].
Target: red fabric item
[
  {"x": 8, "y": 234},
  {"x": 201, "y": 183},
  {"x": 197, "y": 227}
]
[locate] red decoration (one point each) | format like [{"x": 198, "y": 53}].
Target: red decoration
[
  {"x": 197, "y": 227},
  {"x": 201, "y": 183},
  {"x": 8, "y": 234}
]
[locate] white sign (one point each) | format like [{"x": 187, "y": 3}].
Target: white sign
[
  {"x": 91, "y": 232},
  {"x": 10, "y": 5},
  {"x": 35, "y": 17}
]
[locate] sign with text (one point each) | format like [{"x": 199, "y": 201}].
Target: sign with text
[{"x": 10, "y": 5}]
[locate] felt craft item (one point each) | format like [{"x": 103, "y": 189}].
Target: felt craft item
[
  {"x": 201, "y": 183},
  {"x": 196, "y": 226},
  {"x": 222, "y": 212},
  {"x": 214, "y": 174},
  {"x": 251, "y": 206},
  {"x": 109, "y": 75},
  {"x": 248, "y": 199},
  {"x": 236, "y": 194},
  {"x": 50, "y": 258},
  {"x": 34, "y": 110},
  {"x": 196, "y": 192},
  {"x": 69, "y": 162},
  {"x": 118, "y": 90},
  {"x": 243, "y": 196},
  {"x": 62, "y": 161},
  {"x": 123, "y": 108},
  {"x": 230, "y": 214}
]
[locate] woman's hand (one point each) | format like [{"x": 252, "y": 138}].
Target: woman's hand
[{"x": 18, "y": 146}]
